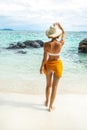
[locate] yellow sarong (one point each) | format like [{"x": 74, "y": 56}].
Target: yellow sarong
[{"x": 56, "y": 66}]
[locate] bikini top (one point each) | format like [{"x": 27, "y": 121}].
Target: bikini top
[{"x": 52, "y": 54}]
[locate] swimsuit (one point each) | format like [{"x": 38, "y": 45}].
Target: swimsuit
[
  {"x": 55, "y": 65},
  {"x": 52, "y": 54}
]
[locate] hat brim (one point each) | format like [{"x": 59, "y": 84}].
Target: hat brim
[{"x": 55, "y": 35}]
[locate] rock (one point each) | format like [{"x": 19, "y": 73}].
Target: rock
[
  {"x": 17, "y": 45},
  {"x": 83, "y": 46},
  {"x": 22, "y": 52},
  {"x": 12, "y": 46},
  {"x": 26, "y": 44},
  {"x": 21, "y": 45},
  {"x": 35, "y": 45},
  {"x": 40, "y": 42}
]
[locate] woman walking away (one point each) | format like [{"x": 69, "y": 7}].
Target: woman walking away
[{"x": 51, "y": 63}]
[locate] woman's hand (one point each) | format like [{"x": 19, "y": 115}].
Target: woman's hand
[{"x": 58, "y": 24}]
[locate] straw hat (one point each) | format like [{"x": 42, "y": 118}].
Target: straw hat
[{"x": 53, "y": 31}]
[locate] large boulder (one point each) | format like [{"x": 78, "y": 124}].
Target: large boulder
[{"x": 83, "y": 46}]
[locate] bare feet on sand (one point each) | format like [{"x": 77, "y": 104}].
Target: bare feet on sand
[{"x": 51, "y": 109}]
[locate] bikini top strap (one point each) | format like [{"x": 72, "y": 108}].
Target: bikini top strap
[{"x": 53, "y": 54}]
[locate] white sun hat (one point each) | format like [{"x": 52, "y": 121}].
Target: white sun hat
[{"x": 53, "y": 31}]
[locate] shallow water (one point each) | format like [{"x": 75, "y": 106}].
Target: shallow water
[{"x": 25, "y": 67}]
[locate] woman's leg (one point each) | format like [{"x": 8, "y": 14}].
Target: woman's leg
[
  {"x": 54, "y": 91},
  {"x": 48, "y": 85}
]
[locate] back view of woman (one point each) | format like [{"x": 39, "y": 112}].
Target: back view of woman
[{"x": 51, "y": 63}]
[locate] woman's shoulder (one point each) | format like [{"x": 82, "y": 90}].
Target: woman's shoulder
[
  {"x": 53, "y": 43},
  {"x": 46, "y": 44},
  {"x": 60, "y": 43}
]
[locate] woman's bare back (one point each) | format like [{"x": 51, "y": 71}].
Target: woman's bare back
[{"x": 53, "y": 47}]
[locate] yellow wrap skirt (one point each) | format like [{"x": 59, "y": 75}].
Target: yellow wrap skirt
[{"x": 56, "y": 66}]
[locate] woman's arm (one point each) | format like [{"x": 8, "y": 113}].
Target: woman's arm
[
  {"x": 44, "y": 59},
  {"x": 63, "y": 33},
  {"x": 63, "y": 38}
]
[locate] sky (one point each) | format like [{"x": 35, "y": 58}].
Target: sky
[{"x": 40, "y": 14}]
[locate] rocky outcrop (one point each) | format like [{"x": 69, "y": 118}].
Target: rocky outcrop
[
  {"x": 17, "y": 45},
  {"x": 83, "y": 46},
  {"x": 26, "y": 44}
]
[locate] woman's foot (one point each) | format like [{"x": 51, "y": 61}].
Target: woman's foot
[{"x": 51, "y": 109}]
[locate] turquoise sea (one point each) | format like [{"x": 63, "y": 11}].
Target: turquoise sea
[{"x": 20, "y": 72}]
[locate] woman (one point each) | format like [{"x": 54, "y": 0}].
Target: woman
[{"x": 51, "y": 63}]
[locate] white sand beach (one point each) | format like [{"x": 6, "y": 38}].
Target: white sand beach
[
  {"x": 27, "y": 112},
  {"x": 36, "y": 85}
]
